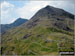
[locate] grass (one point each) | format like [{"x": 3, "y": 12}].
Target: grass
[{"x": 36, "y": 42}]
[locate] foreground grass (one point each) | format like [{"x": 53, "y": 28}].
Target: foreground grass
[{"x": 43, "y": 41}]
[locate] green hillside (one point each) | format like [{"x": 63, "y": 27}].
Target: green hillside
[{"x": 44, "y": 34}]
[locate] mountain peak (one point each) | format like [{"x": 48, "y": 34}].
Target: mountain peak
[
  {"x": 20, "y": 21},
  {"x": 50, "y": 13},
  {"x": 20, "y": 18},
  {"x": 53, "y": 11},
  {"x": 16, "y": 23},
  {"x": 48, "y": 6}
]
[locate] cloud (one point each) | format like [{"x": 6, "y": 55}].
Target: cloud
[
  {"x": 13, "y": 20},
  {"x": 11, "y": 11},
  {"x": 29, "y": 9},
  {"x": 6, "y": 5},
  {"x": 6, "y": 8}
]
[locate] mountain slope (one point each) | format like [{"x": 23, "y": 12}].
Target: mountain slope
[
  {"x": 56, "y": 17},
  {"x": 49, "y": 31},
  {"x": 18, "y": 22}
]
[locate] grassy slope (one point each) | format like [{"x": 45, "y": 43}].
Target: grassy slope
[{"x": 37, "y": 44}]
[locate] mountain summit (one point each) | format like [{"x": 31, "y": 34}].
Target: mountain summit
[
  {"x": 57, "y": 11},
  {"x": 19, "y": 21},
  {"x": 53, "y": 17},
  {"x": 16, "y": 23},
  {"x": 52, "y": 11}
]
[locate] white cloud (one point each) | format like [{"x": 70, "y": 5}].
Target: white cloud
[
  {"x": 6, "y": 5},
  {"x": 6, "y": 9},
  {"x": 29, "y": 9},
  {"x": 35, "y": 8},
  {"x": 9, "y": 12}
]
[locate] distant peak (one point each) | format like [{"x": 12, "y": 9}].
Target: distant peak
[
  {"x": 20, "y": 18},
  {"x": 47, "y": 6}
]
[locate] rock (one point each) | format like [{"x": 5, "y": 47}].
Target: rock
[
  {"x": 38, "y": 35},
  {"x": 25, "y": 36},
  {"x": 47, "y": 41}
]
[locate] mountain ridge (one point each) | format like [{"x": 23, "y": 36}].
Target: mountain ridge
[{"x": 16, "y": 23}]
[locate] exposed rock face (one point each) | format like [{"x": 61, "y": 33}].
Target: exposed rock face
[{"x": 26, "y": 36}]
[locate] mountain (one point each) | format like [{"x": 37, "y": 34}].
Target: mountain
[
  {"x": 59, "y": 16},
  {"x": 48, "y": 32},
  {"x": 18, "y": 22}
]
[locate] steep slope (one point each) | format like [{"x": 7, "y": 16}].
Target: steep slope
[
  {"x": 18, "y": 22},
  {"x": 57, "y": 17},
  {"x": 49, "y": 31}
]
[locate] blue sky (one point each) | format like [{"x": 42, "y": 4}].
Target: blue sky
[{"x": 11, "y": 9}]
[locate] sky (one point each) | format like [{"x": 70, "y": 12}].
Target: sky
[{"x": 14, "y": 9}]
